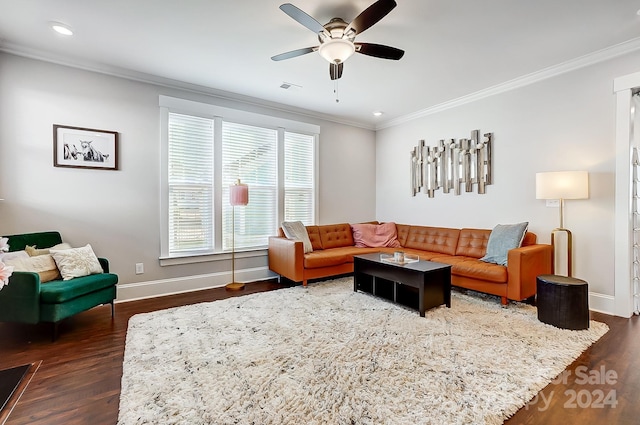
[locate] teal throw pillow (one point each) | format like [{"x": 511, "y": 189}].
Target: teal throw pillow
[{"x": 503, "y": 238}]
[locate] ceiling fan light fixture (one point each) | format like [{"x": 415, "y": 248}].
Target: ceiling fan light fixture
[{"x": 337, "y": 50}]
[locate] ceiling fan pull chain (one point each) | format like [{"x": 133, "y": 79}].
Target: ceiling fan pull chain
[{"x": 335, "y": 90}]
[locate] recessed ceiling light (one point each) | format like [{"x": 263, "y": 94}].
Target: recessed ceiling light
[
  {"x": 378, "y": 113},
  {"x": 61, "y": 28}
]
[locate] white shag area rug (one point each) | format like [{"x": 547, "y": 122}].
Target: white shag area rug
[{"x": 328, "y": 355}]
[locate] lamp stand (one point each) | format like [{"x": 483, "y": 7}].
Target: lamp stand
[
  {"x": 233, "y": 286},
  {"x": 569, "y": 241}
]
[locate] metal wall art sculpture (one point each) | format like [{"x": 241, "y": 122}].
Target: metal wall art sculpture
[{"x": 452, "y": 165}]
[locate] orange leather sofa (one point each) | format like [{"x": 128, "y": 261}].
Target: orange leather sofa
[{"x": 333, "y": 251}]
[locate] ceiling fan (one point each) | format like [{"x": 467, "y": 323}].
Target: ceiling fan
[{"x": 337, "y": 36}]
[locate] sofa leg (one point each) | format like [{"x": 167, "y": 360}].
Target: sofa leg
[
  {"x": 113, "y": 311},
  {"x": 304, "y": 283},
  {"x": 504, "y": 301}
]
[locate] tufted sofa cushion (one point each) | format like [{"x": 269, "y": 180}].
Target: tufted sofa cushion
[
  {"x": 473, "y": 242},
  {"x": 336, "y": 235},
  {"x": 403, "y": 232},
  {"x": 434, "y": 239},
  {"x": 314, "y": 237}
]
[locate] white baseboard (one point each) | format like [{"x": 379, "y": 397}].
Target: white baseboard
[
  {"x": 602, "y": 303},
  {"x": 158, "y": 288}
]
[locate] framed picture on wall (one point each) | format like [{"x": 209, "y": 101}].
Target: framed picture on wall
[{"x": 79, "y": 147}]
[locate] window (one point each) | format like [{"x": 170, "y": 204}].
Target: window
[
  {"x": 205, "y": 150},
  {"x": 250, "y": 154},
  {"x": 298, "y": 178},
  {"x": 190, "y": 184}
]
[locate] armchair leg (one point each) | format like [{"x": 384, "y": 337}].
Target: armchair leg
[{"x": 113, "y": 309}]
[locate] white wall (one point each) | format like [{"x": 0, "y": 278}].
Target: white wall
[
  {"x": 563, "y": 123},
  {"x": 118, "y": 211}
]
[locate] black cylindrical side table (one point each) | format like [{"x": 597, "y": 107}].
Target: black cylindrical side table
[{"x": 563, "y": 301}]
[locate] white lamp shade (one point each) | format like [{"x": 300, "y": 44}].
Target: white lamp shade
[
  {"x": 337, "y": 50},
  {"x": 238, "y": 194},
  {"x": 562, "y": 185}
]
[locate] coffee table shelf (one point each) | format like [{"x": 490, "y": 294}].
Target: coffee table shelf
[{"x": 418, "y": 285}]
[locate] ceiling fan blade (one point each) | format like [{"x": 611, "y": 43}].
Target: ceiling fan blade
[
  {"x": 335, "y": 70},
  {"x": 371, "y": 15},
  {"x": 379, "y": 51},
  {"x": 303, "y": 18},
  {"x": 294, "y": 53}
]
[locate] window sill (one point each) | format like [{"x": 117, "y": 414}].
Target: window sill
[{"x": 204, "y": 258}]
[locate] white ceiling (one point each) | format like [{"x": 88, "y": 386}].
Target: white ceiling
[{"x": 454, "y": 48}]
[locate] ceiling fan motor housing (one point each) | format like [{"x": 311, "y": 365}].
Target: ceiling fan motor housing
[{"x": 336, "y": 27}]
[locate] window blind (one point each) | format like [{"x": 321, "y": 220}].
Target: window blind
[
  {"x": 249, "y": 153},
  {"x": 299, "y": 177},
  {"x": 190, "y": 185}
]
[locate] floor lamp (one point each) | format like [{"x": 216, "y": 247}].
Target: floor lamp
[
  {"x": 562, "y": 185},
  {"x": 238, "y": 196}
]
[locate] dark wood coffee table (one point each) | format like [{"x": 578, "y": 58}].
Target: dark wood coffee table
[{"x": 420, "y": 285}]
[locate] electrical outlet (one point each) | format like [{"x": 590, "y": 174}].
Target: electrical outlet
[
  {"x": 139, "y": 268},
  {"x": 553, "y": 203}
]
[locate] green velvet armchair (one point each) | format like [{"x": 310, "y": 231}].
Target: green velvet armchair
[{"x": 26, "y": 300}]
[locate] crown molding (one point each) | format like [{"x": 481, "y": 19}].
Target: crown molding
[
  {"x": 544, "y": 74},
  {"x": 142, "y": 77}
]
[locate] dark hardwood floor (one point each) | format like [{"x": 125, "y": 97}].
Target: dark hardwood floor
[{"x": 78, "y": 381}]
